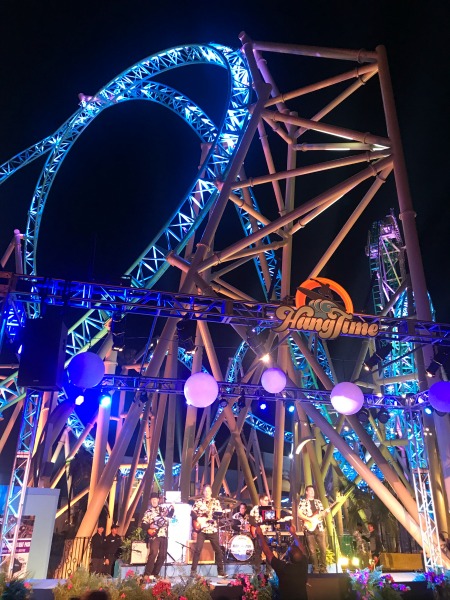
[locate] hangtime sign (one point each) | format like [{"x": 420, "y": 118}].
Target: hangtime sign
[{"x": 317, "y": 310}]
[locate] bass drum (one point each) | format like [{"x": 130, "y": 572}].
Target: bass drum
[{"x": 241, "y": 547}]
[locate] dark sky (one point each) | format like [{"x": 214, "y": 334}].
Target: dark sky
[{"x": 108, "y": 200}]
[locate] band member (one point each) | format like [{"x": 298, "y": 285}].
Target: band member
[
  {"x": 205, "y": 524},
  {"x": 98, "y": 543},
  {"x": 113, "y": 545},
  {"x": 293, "y": 572},
  {"x": 376, "y": 547},
  {"x": 256, "y": 518},
  {"x": 311, "y": 511},
  {"x": 240, "y": 522},
  {"x": 360, "y": 544},
  {"x": 155, "y": 523}
]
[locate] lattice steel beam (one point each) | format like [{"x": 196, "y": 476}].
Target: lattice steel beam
[{"x": 19, "y": 478}]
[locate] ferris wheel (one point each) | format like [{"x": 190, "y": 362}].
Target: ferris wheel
[{"x": 263, "y": 214}]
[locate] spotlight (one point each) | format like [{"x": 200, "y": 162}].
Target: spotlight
[
  {"x": 105, "y": 400},
  {"x": 262, "y": 404},
  {"x": 343, "y": 561},
  {"x": 79, "y": 400},
  {"x": 433, "y": 368},
  {"x": 291, "y": 408},
  {"x": 380, "y": 354},
  {"x": 428, "y": 410},
  {"x": 363, "y": 416},
  {"x": 186, "y": 329},
  {"x": 223, "y": 403},
  {"x": 241, "y": 401},
  {"x": 265, "y": 358},
  {"x": 355, "y": 561},
  {"x": 254, "y": 340},
  {"x": 383, "y": 416},
  {"x": 118, "y": 333},
  {"x": 436, "y": 363}
]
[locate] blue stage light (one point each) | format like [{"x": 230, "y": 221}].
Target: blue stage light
[
  {"x": 262, "y": 405},
  {"x": 105, "y": 400},
  {"x": 291, "y": 408}
]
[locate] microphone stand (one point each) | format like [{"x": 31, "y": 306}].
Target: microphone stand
[
  {"x": 184, "y": 546},
  {"x": 165, "y": 562}
]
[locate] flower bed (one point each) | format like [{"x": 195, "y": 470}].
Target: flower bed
[
  {"x": 368, "y": 585},
  {"x": 131, "y": 587}
]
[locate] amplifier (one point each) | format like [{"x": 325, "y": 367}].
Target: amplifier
[
  {"x": 206, "y": 555},
  {"x": 139, "y": 553}
]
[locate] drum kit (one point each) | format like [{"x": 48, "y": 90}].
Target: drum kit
[{"x": 239, "y": 545}]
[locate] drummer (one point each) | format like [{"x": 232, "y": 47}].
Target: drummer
[{"x": 240, "y": 523}]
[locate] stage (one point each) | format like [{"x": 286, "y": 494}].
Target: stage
[{"x": 329, "y": 586}]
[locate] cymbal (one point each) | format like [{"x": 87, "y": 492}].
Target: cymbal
[{"x": 228, "y": 500}]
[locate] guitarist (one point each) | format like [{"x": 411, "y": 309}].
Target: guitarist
[
  {"x": 256, "y": 519},
  {"x": 155, "y": 523},
  {"x": 311, "y": 511},
  {"x": 206, "y": 526}
]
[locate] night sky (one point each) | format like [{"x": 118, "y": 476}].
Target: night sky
[{"x": 119, "y": 182}]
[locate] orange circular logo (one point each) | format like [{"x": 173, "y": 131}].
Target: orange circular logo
[{"x": 321, "y": 288}]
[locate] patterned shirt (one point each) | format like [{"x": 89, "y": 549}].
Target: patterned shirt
[
  {"x": 242, "y": 520},
  {"x": 155, "y": 518},
  {"x": 360, "y": 542},
  {"x": 304, "y": 506},
  {"x": 256, "y": 519},
  {"x": 206, "y": 508}
]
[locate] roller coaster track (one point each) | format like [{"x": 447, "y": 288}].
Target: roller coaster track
[{"x": 137, "y": 83}]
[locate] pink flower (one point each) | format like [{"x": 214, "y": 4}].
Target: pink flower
[
  {"x": 69, "y": 586},
  {"x": 122, "y": 595},
  {"x": 182, "y": 598},
  {"x": 27, "y": 585}
]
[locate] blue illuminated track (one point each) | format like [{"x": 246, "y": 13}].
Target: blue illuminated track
[{"x": 137, "y": 83}]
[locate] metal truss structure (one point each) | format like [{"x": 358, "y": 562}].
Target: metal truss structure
[
  {"x": 288, "y": 128},
  {"x": 19, "y": 479}
]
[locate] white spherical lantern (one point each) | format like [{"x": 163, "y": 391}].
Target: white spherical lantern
[
  {"x": 439, "y": 396},
  {"x": 273, "y": 380},
  {"x": 86, "y": 370},
  {"x": 347, "y": 398},
  {"x": 201, "y": 389}
]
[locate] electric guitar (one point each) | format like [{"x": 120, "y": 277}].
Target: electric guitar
[
  {"x": 155, "y": 526},
  {"x": 201, "y": 522},
  {"x": 317, "y": 518}
]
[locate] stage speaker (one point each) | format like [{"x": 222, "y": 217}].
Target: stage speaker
[
  {"x": 43, "y": 352},
  {"x": 327, "y": 586},
  {"x": 206, "y": 555},
  {"x": 139, "y": 553}
]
